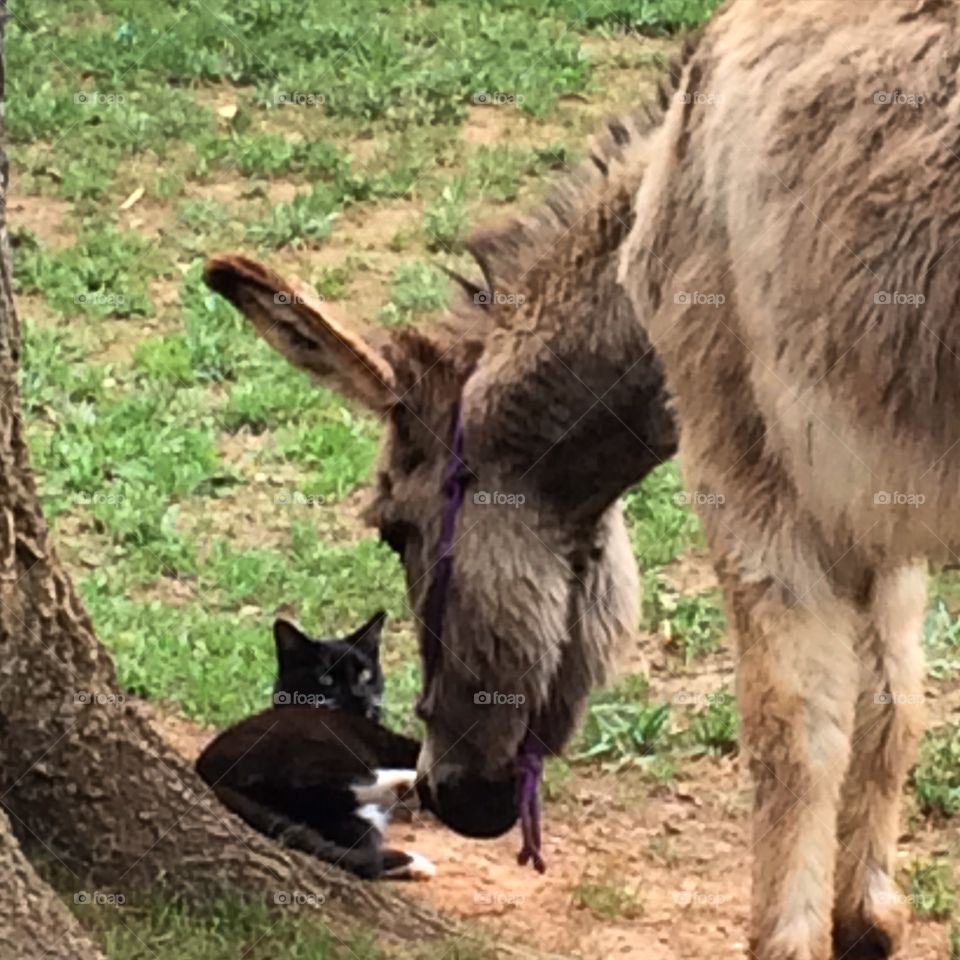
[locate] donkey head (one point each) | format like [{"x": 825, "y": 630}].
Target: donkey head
[{"x": 559, "y": 404}]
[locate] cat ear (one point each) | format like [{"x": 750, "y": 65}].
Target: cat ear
[
  {"x": 367, "y": 638},
  {"x": 292, "y": 642}
]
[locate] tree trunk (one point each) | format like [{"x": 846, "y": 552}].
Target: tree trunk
[
  {"x": 37, "y": 926},
  {"x": 85, "y": 780}
]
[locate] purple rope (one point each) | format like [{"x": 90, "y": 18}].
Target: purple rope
[
  {"x": 530, "y": 769},
  {"x": 530, "y": 758},
  {"x": 454, "y": 492}
]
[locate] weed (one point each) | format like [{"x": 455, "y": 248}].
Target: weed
[
  {"x": 622, "y": 725},
  {"x": 416, "y": 289},
  {"x": 445, "y": 220},
  {"x": 941, "y": 641},
  {"x": 610, "y": 899},
  {"x": 930, "y": 887},
  {"x": 936, "y": 778}
]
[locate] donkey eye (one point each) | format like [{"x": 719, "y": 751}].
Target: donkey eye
[{"x": 396, "y": 536}]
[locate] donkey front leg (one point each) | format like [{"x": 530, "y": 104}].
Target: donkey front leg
[
  {"x": 797, "y": 684},
  {"x": 870, "y": 915}
]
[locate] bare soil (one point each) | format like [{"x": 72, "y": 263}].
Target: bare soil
[{"x": 636, "y": 869}]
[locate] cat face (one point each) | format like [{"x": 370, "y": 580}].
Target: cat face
[{"x": 337, "y": 674}]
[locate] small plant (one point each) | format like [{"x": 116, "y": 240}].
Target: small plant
[
  {"x": 309, "y": 217},
  {"x": 333, "y": 282},
  {"x": 416, "y": 288},
  {"x": 941, "y": 641},
  {"x": 556, "y": 779},
  {"x": 445, "y": 221},
  {"x": 609, "y": 899},
  {"x": 930, "y": 887},
  {"x": 936, "y": 777},
  {"x": 693, "y": 623},
  {"x": 717, "y": 725},
  {"x": 661, "y": 524},
  {"x": 622, "y": 725}
]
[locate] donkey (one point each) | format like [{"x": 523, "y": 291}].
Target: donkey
[
  {"x": 542, "y": 587},
  {"x": 794, "y": 257}
]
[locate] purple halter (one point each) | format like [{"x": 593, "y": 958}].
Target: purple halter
[{"x": 530, "y": 758}]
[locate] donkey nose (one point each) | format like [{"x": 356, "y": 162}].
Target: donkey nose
[{"x": 472, "y": 806}]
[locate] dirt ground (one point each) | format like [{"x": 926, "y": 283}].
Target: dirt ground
[{"x": 636, "y": 870}]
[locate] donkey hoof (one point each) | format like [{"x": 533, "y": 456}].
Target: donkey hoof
[{"x": 860, "y": 943}]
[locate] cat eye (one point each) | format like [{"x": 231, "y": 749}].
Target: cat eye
[{"x": 366, "y": 676}]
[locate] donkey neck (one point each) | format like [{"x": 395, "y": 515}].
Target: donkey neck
[{"x": 568, "y": 394}]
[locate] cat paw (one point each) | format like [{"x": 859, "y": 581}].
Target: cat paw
[
  {"x": 416, "y": 867},
  {"x": 420, "y": 868}
]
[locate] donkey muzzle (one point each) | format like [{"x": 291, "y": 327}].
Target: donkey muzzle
[{"x": 472, "y": 806}]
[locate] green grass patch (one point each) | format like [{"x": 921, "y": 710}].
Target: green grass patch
[
  {"x": 661, "y": 524},
  {"x": 223, "y": 930},
  {"x": 623, "y": 724},
  {"x": 930, "y": 887},
  {"x": 936, "y": 778},
  {"x": 941, "y": 642}
]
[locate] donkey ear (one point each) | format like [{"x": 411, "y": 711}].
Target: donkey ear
[
  {"x": 367, "y": 638},
  {"x": 292, "y": 643},
  {"x": 303, "y": 330}
]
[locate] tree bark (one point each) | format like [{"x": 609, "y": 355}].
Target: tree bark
[
  {"x": 84, "y": 779},
  {"x": 37, "y": 926}
]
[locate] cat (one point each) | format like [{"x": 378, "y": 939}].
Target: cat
[{"x": 318, "y": 771}]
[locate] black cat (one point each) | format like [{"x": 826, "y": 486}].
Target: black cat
[{"x": 318, "y": 771}]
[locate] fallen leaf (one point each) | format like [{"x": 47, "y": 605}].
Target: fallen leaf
[{"x": 132, "y": 199}]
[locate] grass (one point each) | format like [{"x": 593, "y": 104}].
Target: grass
[
  {"x": 930, "y": 887},
  {"x": 941, "y": 641},
  {"x": 936, "y": 778},
  {"x": 609, "y": 898},
  {"x": 150, "y": 422},
  {"x": 222, "y": 931}
]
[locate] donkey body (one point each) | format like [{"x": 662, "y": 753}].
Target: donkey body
[{"x": 795, "y": 259}]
